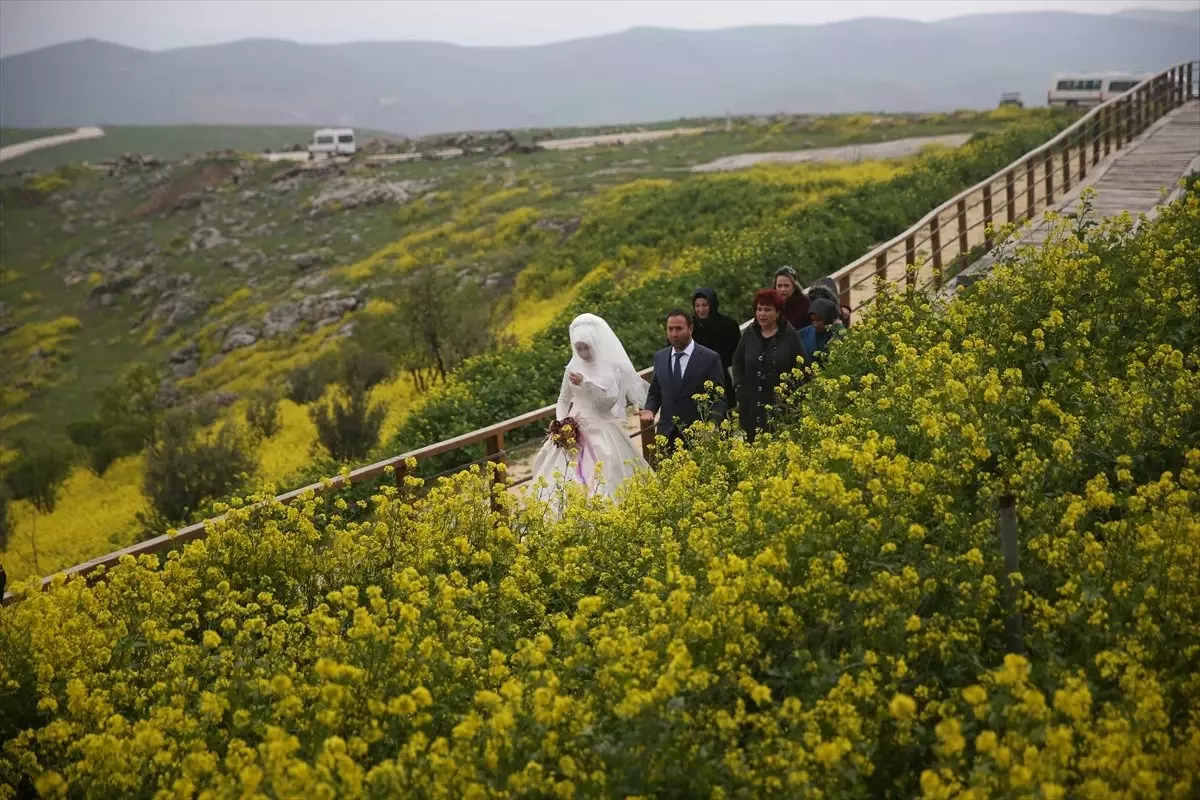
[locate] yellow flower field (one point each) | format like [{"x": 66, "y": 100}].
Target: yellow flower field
[{"x": 820, "y": 614}]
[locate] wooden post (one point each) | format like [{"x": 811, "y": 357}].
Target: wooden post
[
  {"x": 963, "y": 244},
  {"x": 1190, "y": 71},
  {"x": 1010, "y": 196},
  {"x": 843, "y": 284},
  {"x": 1108, "y": 126},
  {"x": 1030, "y": 185},
  {"x": 1049, "y": 178},
  {"x": 647, "y": 434},
  {"x": 494, "y": 447},
  {"x": 1066, "y": 169},
  {"x": 935, "y": 242},
  {"x": 987, "y": 215},
  {"x": 1097, "y": 133},
  {"x": 910, "y": 256},
  {"x": 1013, "y": 628},
  {"x": 1083, "y": 156},
  {"x": 881, "y": 265}
]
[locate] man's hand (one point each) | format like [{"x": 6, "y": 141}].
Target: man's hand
[
  {"x": 575, "y": 378},
  {"x": 647, "y": 416}
]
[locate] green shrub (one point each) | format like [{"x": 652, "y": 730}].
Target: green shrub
[
  {"x": 125, "y": 421},
  {"x": 38, "y": 475},
  {"x": 186, "y": 465},
  {"x": 306, "y": 383},
  {"x": 262, "y": 411},
  {"x": 348, "y": 425},
  {"x": 363, "y": 369}
]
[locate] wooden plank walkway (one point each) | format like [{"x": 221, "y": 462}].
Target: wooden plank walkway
[{"x": 1138, "y": 179}]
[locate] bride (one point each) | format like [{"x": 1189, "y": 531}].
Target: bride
[{"x": 598, "y": 383}]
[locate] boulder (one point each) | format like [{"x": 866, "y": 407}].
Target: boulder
[
  {"x": 311, "y": 258},
  {"x": 239, "y": 336},
  {"x": 176, "y": 307},
  {"x": 353, "y": 192},
  {"x": 206, "y": 239},
  {"x": 329, "y": 307},
  {"x": 280, "y": 320},
  {"x": 102, "y": 293},
  {"x": 310, "y": 281}
]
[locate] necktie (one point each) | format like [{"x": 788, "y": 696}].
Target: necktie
[{"x": 678, "y": 369}]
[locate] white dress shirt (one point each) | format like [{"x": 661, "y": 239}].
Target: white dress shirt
[{"x": 683, "y": 362}]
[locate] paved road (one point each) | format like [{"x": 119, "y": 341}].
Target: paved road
[
  {"x": 898, "y": 148},
  {"x": 21, "y": 148}
]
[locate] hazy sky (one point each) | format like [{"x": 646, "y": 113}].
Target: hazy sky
[{"x": 163, "y": 24}]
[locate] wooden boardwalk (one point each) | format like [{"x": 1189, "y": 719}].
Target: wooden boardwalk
[{"x": 1138, "y": 179}]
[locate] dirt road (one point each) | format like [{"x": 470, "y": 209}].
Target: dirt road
[
  {"x": 21, "y": 148},
  {"x": 862, "y": 152},
  {"x": 616, "y": 138}
]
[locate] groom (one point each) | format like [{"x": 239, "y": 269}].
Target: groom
[{"x": 680, "y": 371}]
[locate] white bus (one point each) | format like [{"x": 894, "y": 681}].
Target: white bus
[
  {"x": 333, "y": 142},
  {"x": 1091, "y": 89}
]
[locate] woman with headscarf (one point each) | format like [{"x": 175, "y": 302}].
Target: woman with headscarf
[
  {"x": 597, "y": 385},
  {"x": 827, "y": 288},
  {"x": 715, "y": 331},
  {"x": 795, "y": 302},
  {"x": 770, "y": 348},
  {"x": 826, "y": 324}
]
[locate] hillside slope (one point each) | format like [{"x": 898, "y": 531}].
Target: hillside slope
[
  {"x": 640, "y": 74},
  {"x": 225, "y": 274}
]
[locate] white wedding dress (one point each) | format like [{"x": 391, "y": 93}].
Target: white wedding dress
[{"x": 604, "y": 456}]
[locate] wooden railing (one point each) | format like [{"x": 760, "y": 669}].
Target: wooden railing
[
  {"x": 954, "y": 230},
  {"x": 945, "y": 239}
]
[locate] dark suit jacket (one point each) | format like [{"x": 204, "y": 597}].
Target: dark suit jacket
[{"x": 675, "y": 402}]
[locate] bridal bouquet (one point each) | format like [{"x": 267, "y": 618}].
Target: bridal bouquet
[{"x": 565, "y": 434}]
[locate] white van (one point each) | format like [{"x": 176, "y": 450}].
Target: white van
[
  {"x": 1091, "y": 89},
  {"x": 333, "y": 142}
]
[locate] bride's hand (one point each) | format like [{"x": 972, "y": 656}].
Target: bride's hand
[{"x": 575, "y": 378}]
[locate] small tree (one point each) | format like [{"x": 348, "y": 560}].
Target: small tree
[
  {"x": 185, "y": 466},
  {"x": 262, "y": 412},
  {"x": 438, "y": 322},
  {"x": 348, "y": 425},
  {"x": 124, "y": 422},
  {"x": 38, "y": 477},
  {"x": 306, "y": 383}
]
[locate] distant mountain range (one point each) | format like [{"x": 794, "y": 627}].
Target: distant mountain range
[{"x": 639, "y": 75}]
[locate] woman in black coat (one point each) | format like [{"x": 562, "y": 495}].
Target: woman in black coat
[
  {"x": 769, "y": 349},
  {"x": 715, "y": 331}
]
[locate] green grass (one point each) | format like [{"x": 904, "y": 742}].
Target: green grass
[
  {"x": 17, "y": 135},
  {"x": 168, "y": 141}
]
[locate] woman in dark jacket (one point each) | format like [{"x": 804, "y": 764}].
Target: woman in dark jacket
[
  {"x": 715, "y": 331},
  {"x": 769, "y": 349},
  {"x": 795, "y": 302}
]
